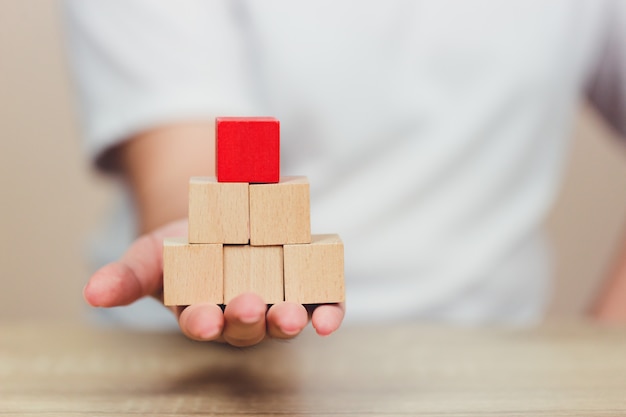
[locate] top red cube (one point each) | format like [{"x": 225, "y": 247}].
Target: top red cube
[{"x": 247, "y": 149}]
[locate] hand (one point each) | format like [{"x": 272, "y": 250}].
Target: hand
[{"x": 245, "y": 321}]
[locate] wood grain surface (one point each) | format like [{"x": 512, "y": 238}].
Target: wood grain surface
[
  {"x": 554, "y": 370},
  {"x": 218, "y": 212},
  {"x": 192, "y": 273},
  {"x": 314, "y": 272},
  {"x": 280, "y": 213},
  {"x": 257, "y": 269}
]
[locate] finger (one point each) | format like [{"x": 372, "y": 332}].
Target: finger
[
  {"x": 112, "y": 285},
  {"x": 286, "y": 320},
  {"x": 244, "y": 320},
  {"x": 202, "y": 322},
  {"x": 327, "y": 318},
  {"x": 137, "y": 274}
]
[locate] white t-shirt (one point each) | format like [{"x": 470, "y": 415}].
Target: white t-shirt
[{"x": 433, "y": 132}]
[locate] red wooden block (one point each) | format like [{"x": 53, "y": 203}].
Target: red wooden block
[{"x": 247, "y": 149}]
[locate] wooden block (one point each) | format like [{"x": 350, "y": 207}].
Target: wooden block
[
  {"x": 280, "y": 213},
  {"x": 314, "y": 272},
  {"x": 192, "y": 273},
  {"x": 247, "y": 149},
  {"x": 218, "y": 212},
  {"x": 257, "y": 269}
]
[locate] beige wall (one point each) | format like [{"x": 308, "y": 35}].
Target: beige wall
[
  {"x": 587, "y": 223},
  {"x": 50, "y": 200}
]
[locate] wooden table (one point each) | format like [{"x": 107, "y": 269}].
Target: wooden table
[{"x": 554, "y": 370}]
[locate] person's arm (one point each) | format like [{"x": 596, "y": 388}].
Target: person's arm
[
  {"x": 610, "y": 305},
  {"x": 607, "y": 91},
  {"x": 157, "y": 165}
]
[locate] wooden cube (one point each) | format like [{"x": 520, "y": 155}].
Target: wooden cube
[
  {"x": 247, "y": 149},
  {"x": 257, "y": 269},
  {"x": 218, "y": 212},
  {"x": 192, "y": 273},
  {"x": 280, "y": 213},
  {"x": 314, "y": 273}
]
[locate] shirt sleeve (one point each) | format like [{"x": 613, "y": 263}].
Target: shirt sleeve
[
  {"x": 607, "y": 89},
  {"x": 142, "y": 63}
]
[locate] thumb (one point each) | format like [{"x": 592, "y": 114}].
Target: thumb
[{"x": 137, "y": 274}]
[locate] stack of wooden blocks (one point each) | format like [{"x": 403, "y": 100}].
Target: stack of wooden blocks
[{"x": 250, "y": 229}]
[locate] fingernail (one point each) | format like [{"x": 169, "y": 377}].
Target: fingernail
[
  {"x": 86, "y": 297},
  {"x": 206, "y": 327},
  {"x": 290, "y": 328},
  {"x": 290, "y": 332},
  {"x": 251, "y": 318},
  {"x": 209, "y": 333},
  {"x": 321, "y": 331}
]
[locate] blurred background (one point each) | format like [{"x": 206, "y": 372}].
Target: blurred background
[{"x": 51, "y": 200}]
